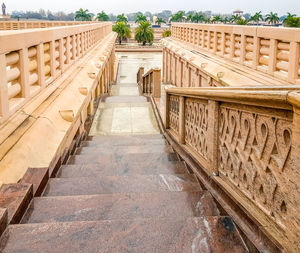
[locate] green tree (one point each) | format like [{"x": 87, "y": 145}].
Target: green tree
[
  {"x": 144, "y": 33},
  {"x": 235, "y": 18},
  {"x": 242, "y": 21},
  {"x": 198, "y": 18},
  {"x": 256, "y": 17},
  {"x": 177, "y": 17},
  {"x": 290, "y": 15},
  {"x": 82, "y": 15},
  {"x": 190, "y": 17},
  {"x": 217, "y": 19},
  {"x": 123, "y": 30},
  {"x": 140, "y": 18},
  {"x": 166, "y": 33},
  {"x": 159, "y": 21},
  {"x": 122, "y": 18},
  {"x": 102, "y": 16},
  {"x": 292, "y": 21},
  {"x": 272, "y": 18}
]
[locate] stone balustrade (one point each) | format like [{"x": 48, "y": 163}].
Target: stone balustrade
[
  {"x": 271, "y": 50},
  {"x": 19, "y": 25},
  {"x": 150, "y": 83},
  {"x": 30, "y": 60},
  {"x": 248, "y": 141}
]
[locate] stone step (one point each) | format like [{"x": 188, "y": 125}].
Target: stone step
[
  {"x": 121, "y": 184},
  {"x": 117, "y": 138},
  {"x": 92, "y": 141},
  {"x": 125, "y": 149},
  {"x": 150, "y": 159},
  {"x": 121, "y": 206},
  {"x": 211, "y": 234},
  {"x": 119, "y": 168},
  {"x": 126, "y": 99}
]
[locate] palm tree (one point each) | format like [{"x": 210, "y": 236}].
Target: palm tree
[
  {"x": 256, "y": 17},
  {"x": 190, "y": 17},
  {"x": 159, "y": 21},
  {"x": 122, "y": 18},
  {"x": 82, "y": 15},
  {"x": 242, "y": 21},
  {"x": 290, "y": 15},
  {"x": 225, "y": 20},
  {"x": 272, "y": 18},
  {"x": 292, "y": 21},
  {"x": 144, "y": 33},
  {"x": 140, "y": 18},
  {"x": 217, "y": 19},
  {"x": 123, "y": 30},
  {"x": 177, "y": 17},
  {"x": 198, "y": 18},
  {"x": 234, "y": 18},
  {"x": 102, "y": 16}
]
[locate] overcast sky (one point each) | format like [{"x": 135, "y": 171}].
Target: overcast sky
[{"x": 127, "y": 6}]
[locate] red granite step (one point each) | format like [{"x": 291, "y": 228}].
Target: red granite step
[
  {"x": 15, "y": 198},
  {"x": 119, "y": 168},
  {"x": 149, "y": 159},
  {"x": 121, "y": 142},
  {"x": 211, "y": 234},
  {"x": 121, "y": 184},
  {"x": 121, "y": 206},
  {"x": 125, "y": 149},
  {"x": 127, "y": 139}
]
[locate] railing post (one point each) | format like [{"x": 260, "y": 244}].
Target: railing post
[
  {"x": 256, "y": 53},
  {"x": 61, "y": 54},
  {"x": 156, "y": 83},
  {"x": 3, "y": 87},
  {"x": 52, "y": 58},
  {"x": 24, "y": 72},
  {"x": 294, "y": 57},
  {"x": 181, "y": 120},
  {"x": 167, "y": 116},
  {"x": 212, "y": 133},
  {"x": 41, "y": 65},
  {"x": 272, "y": 56}
]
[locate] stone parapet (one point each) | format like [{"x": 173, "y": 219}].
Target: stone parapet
[{"x": 270, "y": 50}]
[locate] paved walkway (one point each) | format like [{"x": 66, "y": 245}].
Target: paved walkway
[{"x": 125, "y": 111}]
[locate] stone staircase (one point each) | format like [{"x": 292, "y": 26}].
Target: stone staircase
[{"x": 124, "y": 194}]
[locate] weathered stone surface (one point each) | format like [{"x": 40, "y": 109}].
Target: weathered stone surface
[
  {"x": 16, "y": 198},
  {"x": 3, "y": 220},
  {"x": 121, "y": 206},
  {"x": 38, "y": 177},
  {"x": 92, "y": 170},
  {"x": 211, "y": 234},
  {"x": 119, "y": 184}
]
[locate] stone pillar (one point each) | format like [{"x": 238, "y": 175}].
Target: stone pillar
[
  {"x": 156, "y": 83},
  {"x": 41, "y": 65}
]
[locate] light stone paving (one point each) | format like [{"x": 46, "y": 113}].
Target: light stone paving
[{"x": 127, "y": 118}]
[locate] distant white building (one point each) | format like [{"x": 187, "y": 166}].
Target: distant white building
[{"x": 238, "y": 12}]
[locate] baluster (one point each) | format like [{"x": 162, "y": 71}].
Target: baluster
[
  {"x": 272, "y": 56},
  {"x": 294, "y": 55},
  {"x": 256, "y": 53},
  {"x": 24, "y": 72},
  {"x": 4, "y": 107},
  {"x": 61, "y": 54},
  {"x": 52, "y": 58},
  {"x": 41, "y": 65}
]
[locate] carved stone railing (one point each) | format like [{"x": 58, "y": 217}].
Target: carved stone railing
[
  {"x": 248, "y": 141},
  {"x": 30, "y": 60},
  {"x": 151, "y": 82},
  {"x": 139, "y": 76},
  {"x": 19, "y": 25},
  {"x": 271, "y": 50}
]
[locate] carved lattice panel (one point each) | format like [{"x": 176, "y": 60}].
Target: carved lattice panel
[
  {"x": 196, "y": 125},
  {"x": 174, "y": 113},
  {"x": 254, "y": 155}
]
